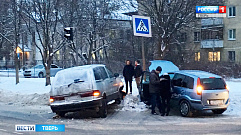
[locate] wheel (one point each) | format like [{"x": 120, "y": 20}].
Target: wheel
[
  {"x": 218, "y": 111},
  {"x": 118, "y": 101},
  {"x": 185, "y": 109},
  {"x": 103, "y": 109},
  {"x": 61, "y": 114},
  {"x": 41, "y": 75}
]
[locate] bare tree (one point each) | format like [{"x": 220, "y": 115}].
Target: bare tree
[
  {"x": 44, "y": 21},
  {"x": 168, "y": 18}
]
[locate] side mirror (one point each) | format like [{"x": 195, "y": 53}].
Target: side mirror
[{"x": 116, "y": 75}]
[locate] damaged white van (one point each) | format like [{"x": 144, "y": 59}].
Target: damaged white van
[{"x": 84, "y": 87}]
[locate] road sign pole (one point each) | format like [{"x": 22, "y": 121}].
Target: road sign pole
[
  {"x": 142, "y": 27},
  {"x": 143, "y": 54}
]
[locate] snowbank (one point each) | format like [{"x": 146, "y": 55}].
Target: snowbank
[
  {"x": 131, "y": 103},
  {"x": 30, "y": 91},
  {"x": 234, "y": 108}
]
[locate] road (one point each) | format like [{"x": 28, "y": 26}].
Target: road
[{"x": 118, "y": 122}]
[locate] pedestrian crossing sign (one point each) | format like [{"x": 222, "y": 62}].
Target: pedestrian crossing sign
[{"x": 141, "y": 26}]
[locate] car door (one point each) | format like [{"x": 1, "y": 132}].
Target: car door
[
  {"x": 113, "y": 83},
  {"x": 178, "y": 89},
  {"x": 187, "y": 84},
  {"x": 107, "y": 82}
]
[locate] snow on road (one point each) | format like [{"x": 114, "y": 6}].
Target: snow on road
[{"x": 32, "y": 91}]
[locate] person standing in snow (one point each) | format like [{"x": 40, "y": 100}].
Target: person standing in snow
[
  {"x": 154, "y": 89},
  {"x": 128, "y": 73},
  {"x": 165, "y": 93},
  {"x": 137, "y": 75}
]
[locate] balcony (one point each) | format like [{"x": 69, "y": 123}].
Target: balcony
[
  {"x": 212, "y": 43},
  {"x": 212, "y": 22}
]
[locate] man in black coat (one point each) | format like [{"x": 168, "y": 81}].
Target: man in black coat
[
  {"x": 137, "y": 75},
  {"x": 128, "y": 73},
  {"x": 154, "y": 89},
  {"x": 165, "y": 93}
]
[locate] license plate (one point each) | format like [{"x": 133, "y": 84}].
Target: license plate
[
  {"x": 216, "y": 102},
  {"x": 72, "y": 98}
]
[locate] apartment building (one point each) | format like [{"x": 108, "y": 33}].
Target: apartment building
[{"x": 232, "y": 32}]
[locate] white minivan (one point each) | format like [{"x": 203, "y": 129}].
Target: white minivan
[{"x": 84, "y": 87}]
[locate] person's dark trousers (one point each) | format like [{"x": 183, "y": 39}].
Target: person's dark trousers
[
  {"x": 165, "y": 105},
  {"x": 130, "y": 83},
  {"x": 155, "y": 100}
]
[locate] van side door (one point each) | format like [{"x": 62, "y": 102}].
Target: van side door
[{"x": 107, "y": 82}]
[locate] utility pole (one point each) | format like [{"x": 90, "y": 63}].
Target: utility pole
[
  {"x": 16, "y": 31},
  {"x": 143, "y": 54}
]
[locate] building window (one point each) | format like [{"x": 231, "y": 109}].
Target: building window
[
  {"x": 231, "y": 55},
  {"x": 231, "y": 12},
  {"x": 232, "y": 34},
  {"x": 214, "y": 56},
  {"x": 197, "y": 56},
  {"x": 196, "y": 36}
]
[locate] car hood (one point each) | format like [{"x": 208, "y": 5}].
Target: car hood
[{"x": 167, "y": 66}]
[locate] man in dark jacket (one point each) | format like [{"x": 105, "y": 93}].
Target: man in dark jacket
[
  {"x": 128, "y": 73},
  {"x": 154, "y": 89},
  {"x": 137, "y": 75},
  {"x": 165, "y": 93}
]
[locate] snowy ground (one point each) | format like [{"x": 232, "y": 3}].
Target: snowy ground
[
  {"x": 10, "y": 73},
  {"x": 32, "y": 91}
]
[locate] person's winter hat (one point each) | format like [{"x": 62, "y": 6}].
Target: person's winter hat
[
  {"x": 159, "y": 69},
  {"x": 165, "y": 74}
]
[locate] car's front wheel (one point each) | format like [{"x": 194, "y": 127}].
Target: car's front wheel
[
  {"x": 218, "y": 111},
  {"x": 41, "y": 75},
  {"x": 185, "y": 109}
]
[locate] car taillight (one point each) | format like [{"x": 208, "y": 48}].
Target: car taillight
[
  {"x": 199, "y": 87},
  {"x": 96, "y": 93},
  {"x": 227, "y": 88},
  {"x": 57, "y": 98},
  {"x": 51, "y": 99}
]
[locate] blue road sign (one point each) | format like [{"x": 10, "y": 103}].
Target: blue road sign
[{"x": 141, "y": 26}]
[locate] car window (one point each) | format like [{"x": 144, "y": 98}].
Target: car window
[
  {"x": 103, "y": 73},
  {"x": 178, "y": 79},
  {"x": 54, "y": 66},
  {"x": 145, "y": 77},
  {"x": 110, "y": 73},
  {"x": 97, "y": 73},
  {"x": 171, "y": 75},
  {"x": 100, "y": 73},
  {"x": 213, "y": 83},
  {"x": 188, "y": 82}
]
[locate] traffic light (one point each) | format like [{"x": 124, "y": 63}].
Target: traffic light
[{"x": 68, "y": 33}]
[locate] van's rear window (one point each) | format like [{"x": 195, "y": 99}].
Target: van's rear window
[{"x": 213, "y": 83}]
